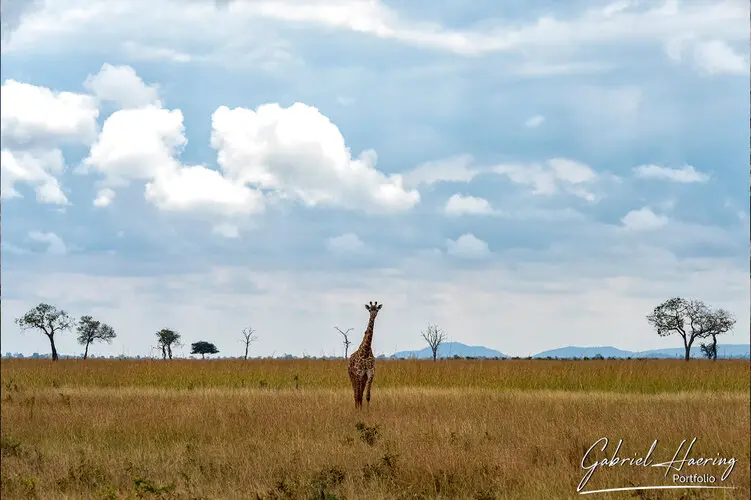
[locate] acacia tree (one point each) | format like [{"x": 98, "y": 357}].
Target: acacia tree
[
  {"x": 203, "y": 348},
  {"x": 90, "y": 330},
  {"x": 723, "y": 322},
  {"x": 249, "y": 337},
  {"x": 434, "y": 336},
  {"x": 167, "y": 338},
  {"x": 49, "y": 320},
  {"x": 691, "y": 319},
  {"x": 346, "y": 340}
]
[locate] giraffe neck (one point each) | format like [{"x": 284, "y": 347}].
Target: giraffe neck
[{"x": 367, "y": 340}]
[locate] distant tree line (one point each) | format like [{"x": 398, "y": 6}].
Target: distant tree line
[
  {"x": 690, "y": 319},
  {"x": 51, "y": 321}
]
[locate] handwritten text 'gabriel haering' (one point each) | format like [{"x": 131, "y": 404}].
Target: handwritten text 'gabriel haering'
[{"x": 675, "y": 463}]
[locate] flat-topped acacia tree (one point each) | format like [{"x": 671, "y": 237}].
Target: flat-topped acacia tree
[{"x": 203, "y": 348}]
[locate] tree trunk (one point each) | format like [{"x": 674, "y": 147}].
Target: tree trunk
[
  {"x": 203, "y": 356},
  {"x": 164, "y": 353},
  {"x": 86, "y": 352},
  {"x": 687, "y": 345},
  {"x": 169, "y": 351},
  {"x": 714, "y": 348},
  {"x": 52, "y": 345},
  {"x": 246, "y": 350}
]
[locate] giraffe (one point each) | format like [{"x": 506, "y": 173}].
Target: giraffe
[{"x": 362, "y": 362}]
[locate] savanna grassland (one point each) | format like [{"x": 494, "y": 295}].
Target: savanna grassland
[{"x": 513, "y": 429}]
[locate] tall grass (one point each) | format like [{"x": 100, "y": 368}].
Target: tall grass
[
  {"x": 640, "y": 376},
  {"x": 450, "y": 429}
]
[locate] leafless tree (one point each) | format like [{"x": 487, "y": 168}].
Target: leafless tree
[
  {"x": 249, "y": 336},
  {"x": 691, "y": 319},
  {"x": 434, "y": 336},
  {"x": 346, "y": 340}
]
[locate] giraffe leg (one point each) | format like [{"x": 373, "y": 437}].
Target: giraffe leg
[
  {"x": 360, "y": 391},
  {"x": 367, "y": 389},
  {"x": 353, "y": 381}
]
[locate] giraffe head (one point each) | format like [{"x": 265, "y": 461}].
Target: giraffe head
[{"x": 373, "y": 308}]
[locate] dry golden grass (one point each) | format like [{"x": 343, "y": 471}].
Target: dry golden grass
[{"x": 450, "y": 429}]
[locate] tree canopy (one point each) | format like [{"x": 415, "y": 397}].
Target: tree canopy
[
  {"x": 203, "y": 348},
  {"x": 47, "y": 319},
  {"x": 690, "y": 319}
]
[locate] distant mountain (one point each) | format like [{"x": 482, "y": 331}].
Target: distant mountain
[
  {"x": 450, "y": 349},
  {"x": 580, "y": 352},
  {"x": 723, "y": 351}
]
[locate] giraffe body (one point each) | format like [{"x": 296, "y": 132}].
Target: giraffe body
[{"x": 362, "y": 362}]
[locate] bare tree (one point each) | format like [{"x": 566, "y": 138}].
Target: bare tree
[
  {"x": 434, "y": 336},
  {"x": 90, "y": 330},
  {"x": 691, "y": 319},
  {"x": 346, "y": 340},
  {"x": 49, "y": 320},
  {"x": 249, "y": 337}
]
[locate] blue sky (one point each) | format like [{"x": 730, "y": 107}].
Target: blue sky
[{"x": 526, "y": 178}]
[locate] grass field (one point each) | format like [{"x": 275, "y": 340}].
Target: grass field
[{"x": 231, "y": 429}]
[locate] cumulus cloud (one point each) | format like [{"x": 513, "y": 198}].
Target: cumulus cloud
[
  {"x": 459, "y": 204},
  {"x": 32, "y": 115},
  {"x": 298, "y": 153},
  {"x": 198, "y": 187},
  {"x": 36, "y": 168},
  {"x": 467, "y": 246},
  {"x": 347, "y": 243},
  {"x": 643, "y": 219},
  {"x": 55, "y": 244},
  {"x": 121, "y": 85},
  {"x": 226, "y": 230},
  {"x": 686, "y": 174},
  {"x": 104, "y": 197},
  {"x": 534, "y": 121}
]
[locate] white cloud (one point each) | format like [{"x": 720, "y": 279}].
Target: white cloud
[
  {"x": 534, "y": 121},
  {"x": 687, "y": 174},
  {"x": 56, "y": 24},
  {"x": 643, "y": 219},
  {"x": 348, "y": 243},
  {"x": 453, "y": 169},
  {"x": 104, "y": 197},
  {"x": 227, "y": 230},
  {"x": 38, "y": 169},
  {"x": 557, "y": 174},
  {"x": 716, "y": 57},
  {"x": 137, "y": 144},
  {"x": 30, "y": 114},
  {"x": 297, "y": 153},
  {"x": 121, "y": 85},
  {"x": 141, "y": 52},
  {"x": 459, "y": 204},
  {"x": 55, "y": 244},
  {"x": 198, "y": 187},
  {"x": 467, "y": 246}
]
